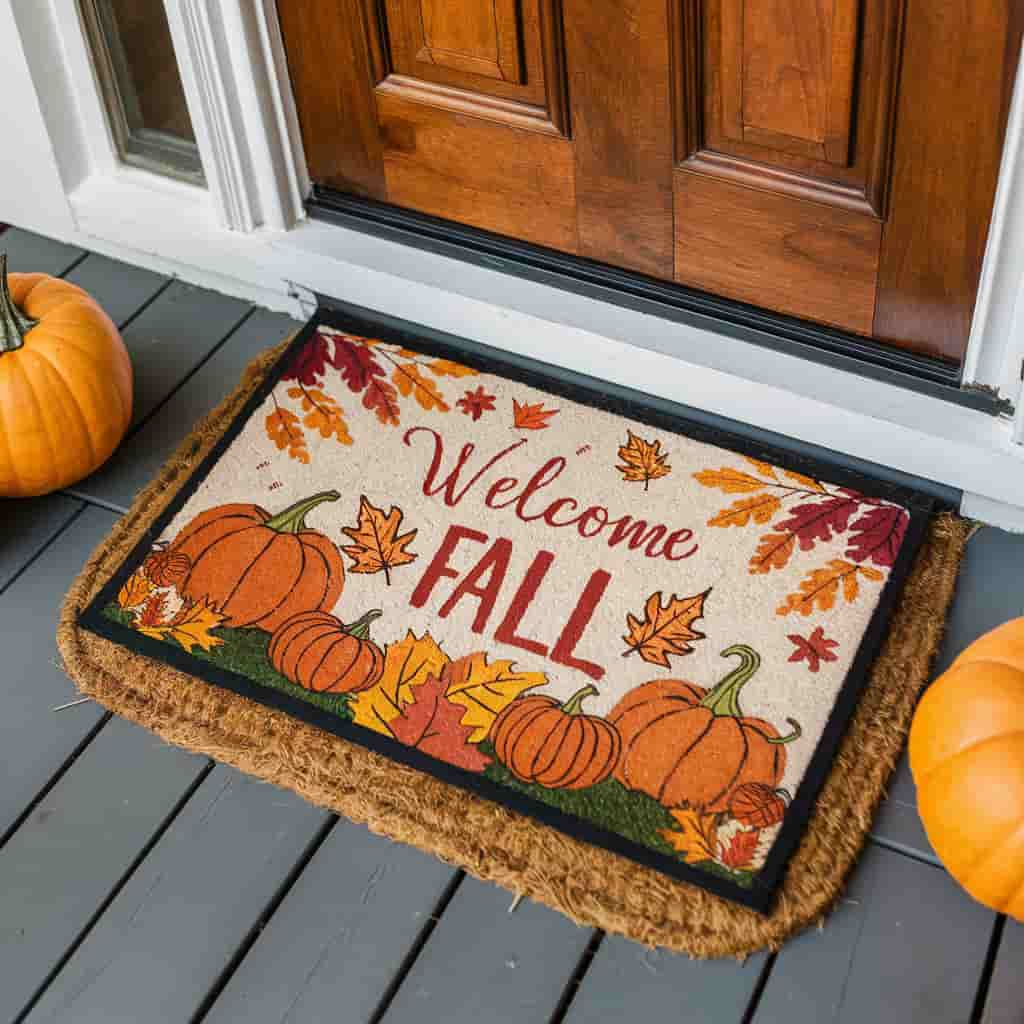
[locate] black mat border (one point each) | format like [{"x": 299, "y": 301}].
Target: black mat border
[{"x": 369, "y": 323}]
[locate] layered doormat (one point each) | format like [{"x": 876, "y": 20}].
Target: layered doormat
[{"x": 649, "y": 673}]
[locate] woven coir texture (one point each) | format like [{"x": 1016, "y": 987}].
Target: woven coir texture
[{"x": 590, "y": 885}]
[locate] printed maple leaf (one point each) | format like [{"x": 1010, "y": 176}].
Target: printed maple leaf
[
  {"x": 433, "y": 724},
  {"x": 356, "y": 363},
  {"x": 476, "y": 403},
  {"x": 731, "y": 481},
  {"x": 309, "y": 362},
  {"x": 642, "y": 460},
  {"x": 408, "y": 664},
  {"x": 154, "y": 610},
  {"x": 377, "y": 545},
  {"x": 483, "y": 690},
  {"x": 696, "y": 836},
  {"x": 760, "y": 508},
  {"x": 285, "y": 430},
  {"x": 820, "y": 588},
  {"x": 410, "y": 381},
  {"x": 531, "y": 417},
  {"x": 740, "y": 850},
  {"x": 813, "y": 649},
  {"x": 322, "y": 413},
  {"x": 877, "y": 535},
  {"x": 665, "y": 630},
  {"x": 135, "y": 590},
  {"x": 191, "y": 627}
]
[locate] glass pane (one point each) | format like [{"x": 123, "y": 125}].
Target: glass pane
[{"x": 139, "y": 73}]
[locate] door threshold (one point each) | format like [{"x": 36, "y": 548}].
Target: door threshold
[{"x": 643, "y": 294}]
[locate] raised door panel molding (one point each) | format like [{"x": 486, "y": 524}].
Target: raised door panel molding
[{"x": 481, "y": 38}]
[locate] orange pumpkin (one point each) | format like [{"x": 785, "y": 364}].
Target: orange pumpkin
[
  {"x": 319, "y": 652},
  {"x": 65, "y": 384},
  {"x": 687, "y": 746},
  {"x": 167, "y": 568},
  {"x": 258, "y": 569},
  {"x": 967, "y": 759},
  {"x": 555, "y": 745},
  {"x": 757, "y": 805}
]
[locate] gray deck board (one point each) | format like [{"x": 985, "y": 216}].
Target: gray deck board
[
  {"x": 34, "y": 740},
  {"x": 62, "y": 863},
  {"x": 141, "y": 456},
  {"x": 626, "y": 982},
  {"x": 28, "y": 526},
  {"x": 906, "y": 944},
  {"x": 1005, "y": 1002},
  {"x": 119, "y": 288},
  {"x": 331, "y": 950},
  {"x": 482, "y": 963},
  {"x": 29, "y": 253},
  {"x": 166, "y": 937}
]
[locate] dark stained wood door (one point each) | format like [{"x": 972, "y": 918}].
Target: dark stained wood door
[{"x": 831, "y": 159}]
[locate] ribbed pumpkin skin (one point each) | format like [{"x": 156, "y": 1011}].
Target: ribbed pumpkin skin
[
  {"x": 167, "y": 568},
  {"x": 313, "y": 650},
  {"x": 757, "y": 805},
  {"x": 967, "y": 759},
  {"x": 253, "y": 574},
  {"x": 539, "y": 742},
  {"x": 681, "y": 754},
  {"x": 65, "y": 395}
]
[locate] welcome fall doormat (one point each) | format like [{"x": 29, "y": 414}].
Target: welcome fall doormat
[{"x": 612, "y": 624}]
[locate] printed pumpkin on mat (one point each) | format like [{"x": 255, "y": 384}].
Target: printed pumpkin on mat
[{"x": 644, "y": 633}]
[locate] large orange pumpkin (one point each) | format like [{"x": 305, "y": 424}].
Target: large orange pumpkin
[
  {"x": 555, "y": 745},
  {"x": 319, "y": 652},
  {"x": 65, "y": 384},
  {"x": 258, "y": 569},
  {"x": 687, "y": 746},
  {"x": 967, "y": 759}
]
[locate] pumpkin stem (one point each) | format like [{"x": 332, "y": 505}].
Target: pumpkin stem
[
  {"x": 14, "y": 325},
  {"x": 794, "y": 735},
  {"x": 360, "y": 629},
  {"x": 293, "y": 518},
  {"x": 574, "y": 705},
  {"x": 724, "y": 699}
]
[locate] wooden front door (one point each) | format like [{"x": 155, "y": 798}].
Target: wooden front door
[{"x": 831, "y": 159}]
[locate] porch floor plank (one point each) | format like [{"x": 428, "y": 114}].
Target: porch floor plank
[
  {"x": 119, "y": 288},
  {"x": 29, "y": 253},
  {"x": 29, "y": 525},
  {"x": 1005, "y": 1002}
]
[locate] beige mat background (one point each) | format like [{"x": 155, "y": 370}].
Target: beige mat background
[{"x": 592, "y": 886}]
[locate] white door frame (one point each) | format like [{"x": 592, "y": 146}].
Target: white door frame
[{"x": 246, "y": 235}]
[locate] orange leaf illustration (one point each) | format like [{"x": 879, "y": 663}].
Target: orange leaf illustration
[
  {"x": 410, "y": 381},
  {"x": 732, "y": 481},
  {"x": 191, "y": 627},
  {"x": 135, "y": 590},
  {"x": 696, "y": 838},
  {"x": 773, "y": 552},
  {"x": 322, "y": 413},
  {"x": 760, "y": 508},
  {"x": 378, "y": 547},
  {"x": 820, "y": 588},
  {"x": 807, "y": 481},
  {"x": 531, "y": 417},
  {"x": 284, "y": 429},
  {"x": 665, "y": 630},
  {"x": 740, "y": 851},
  {"x": 764, "y": 468},
  {"x": 447, "y": 368},
  {"x": 642, "y": 460}
]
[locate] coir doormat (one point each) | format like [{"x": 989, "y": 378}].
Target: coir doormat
[{"x": 600, "y": 653}]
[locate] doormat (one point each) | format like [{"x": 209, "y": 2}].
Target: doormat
[{"x": 597, "y": 652}]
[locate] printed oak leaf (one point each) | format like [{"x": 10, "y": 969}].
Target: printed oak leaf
[
  {"x": 380, "y": 397},
  {"x": 356, "y": 363},
  {"x": 665, "y": 629},
  {"x": 135, "y": 590},
  {"x": 760, "y": 508},
  {"x": 877, "y": 535},
  {"x": 807, "y": 482},
  {"x": 740, "y": 850},
  {"x": 531, "y": 416},
  {"x": 309, "y": 362},
  {"x": 642, "y": 460},
  {"x": 410, "y": 381},
  {"x": 191, "y": 627},
  {"x": 813, "y": 649},
  {"x": 322, "y": 413},
  {"x": 432, "y": 723},
  {"x": 820, "y": 588},
  {"x": 731, "y": 481},
  {"x": 378, "y": 546},
  {"x": 805, "y": 525},
  {"x": 485, "y": 690},
  {"x": 285, "y": 430},
  {"x": 448, "y": 368},
  {"x": 695, "y": 838},
  {"x": 408, "y": 664}
]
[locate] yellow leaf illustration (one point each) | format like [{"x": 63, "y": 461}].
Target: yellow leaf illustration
[
  {"x": 760, "y": 508},
  {"x": 808, "y": 482},
  {"x": 732, "y": 481},
  {"x": 284, "y": 429},
  {"x": 324, "y": 414},
  {"x": 665, "y": 630},
  {"x": 642, "y": 460},
  {"x": 378, "y": 547},
  {"x": 485, "y": 690},
  {"x": 820, "y": 588},
  {"x": 407, "y": 663},
  {"x": 447, "y": 368},
  {"x": 135, "y": 590},
  {"x": 410, "y": 381},
  {"x": 190, "y": 627},
  {"x": 696, "y": 838}
]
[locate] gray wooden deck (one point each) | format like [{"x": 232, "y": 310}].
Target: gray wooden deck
[{"x": 139, "y": 883}]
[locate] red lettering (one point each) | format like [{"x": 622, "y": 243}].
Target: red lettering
[
  {"x": 679, "y": 537},
  {"x": 548, "y": 473},
  {"x": 448, "y": 485},
  {"x": 439, "y": 564},
  {"x": 494, "y": 564},
  {"x": 563, "y": 650},
  {"x": 506, "y": 632},
  {"x": 505, "y": 483},
  {"x": 596, "y": 512},
  {"x": 636, "y": 534}
]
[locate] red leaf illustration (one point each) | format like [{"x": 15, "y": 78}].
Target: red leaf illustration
[
  {"x": 813, "y": 649},
  {"x": 531, "y": 417},
  {"x": 309, "y": 362},
  {"x": 476, "y": 403},
  {"x": 433, "y": 724},
  {"x": 740, "y": 851},
  {"x": 877, "y": 535},
  {"x": 356, "y": 363},
  {"x": 818, "y": 520},
  {"x": 382, "y": 398},
  {"x": 154, "y": 610}
]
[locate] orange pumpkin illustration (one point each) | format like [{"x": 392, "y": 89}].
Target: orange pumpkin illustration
[
  {"x": 258, "y": 569},
  {"x": 166, "y": 568},
  {"x": 757, "y": 805},
  {"x": 687, "y": 746}
]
